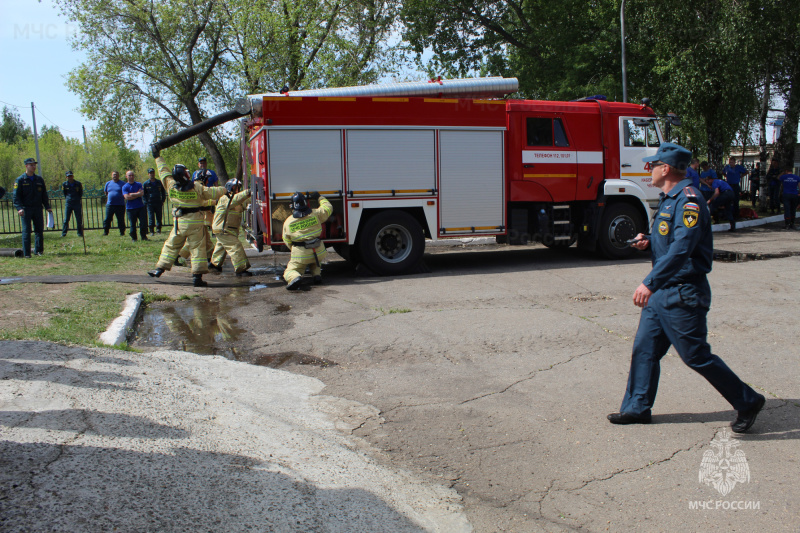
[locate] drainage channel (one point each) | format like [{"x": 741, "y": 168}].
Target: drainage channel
[{"x": 740, "y": 257}]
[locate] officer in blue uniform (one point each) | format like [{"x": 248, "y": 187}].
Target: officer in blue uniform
[
  {"x": 722, "y": 195},
  {"x": 30, "y": 196},
  {"x": 675, "y": 297},
  {"x": 154, "y": 198},
  {"x": 73, "y": 193}
]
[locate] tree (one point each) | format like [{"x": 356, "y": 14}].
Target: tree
[
  {"x": 558, "y": 50},
  {"x": 182, "y": 61},
  {"x": 12, "y": 129}
]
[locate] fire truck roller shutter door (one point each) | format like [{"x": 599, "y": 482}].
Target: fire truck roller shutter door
[{"x": 391, "y": 242}]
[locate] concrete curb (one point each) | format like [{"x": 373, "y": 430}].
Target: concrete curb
[
  {"x": 117, "y": 331},
  {"x": 748, "y": 223}
]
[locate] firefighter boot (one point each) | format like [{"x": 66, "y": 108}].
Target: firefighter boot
[
  {"x": 243, "y": 273},
  {"x": 294, "y": 284},
  {"x": 212, "y": 266},
  {"x": 317, "y": 280},
  {"x": 156, "y": 273},
  {"x": 197, "y": 281}
]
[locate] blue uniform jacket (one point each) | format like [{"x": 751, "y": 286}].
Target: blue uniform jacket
[
  {"x": 73, "y": 192},
  {"x": 30, "y": 192},
  {"x": 680, "y": 238},
  {"x": 154, "y": 193}
]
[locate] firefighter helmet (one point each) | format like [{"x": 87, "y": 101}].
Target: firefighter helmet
[
  {"x": 179, "y": 174},
  {"x": 299, "y": 206},
  {"x": 232, "y": 184}
]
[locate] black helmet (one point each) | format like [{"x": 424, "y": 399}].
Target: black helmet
[
  {"x": 231, "y": 183},
  {"x": 179, "y": 173},
  {"x": 299, "y": 206}
]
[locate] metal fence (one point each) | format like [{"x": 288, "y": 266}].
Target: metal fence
[{"x": 94, "y": 213}]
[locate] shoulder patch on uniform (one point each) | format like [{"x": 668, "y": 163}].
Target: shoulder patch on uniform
[
  {"x": 663, "y": 227},
  {"x": 691, "y": 205},
  {"x": 689, "y": 191},
  {"x": 690, "y": 218}
]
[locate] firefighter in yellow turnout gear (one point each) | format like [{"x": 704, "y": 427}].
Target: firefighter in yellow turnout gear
[
  {"x": 227, "y": 220},
  {"x": 301, "y": 233},
  {"x": 187, "y": 198}
]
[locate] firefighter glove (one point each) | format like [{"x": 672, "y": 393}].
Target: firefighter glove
[{"x": 314, "y": 195}]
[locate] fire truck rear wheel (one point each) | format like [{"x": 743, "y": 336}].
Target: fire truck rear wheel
[
  {"x": 391, "y": 242},
  {"x": 621, "y": 222}
]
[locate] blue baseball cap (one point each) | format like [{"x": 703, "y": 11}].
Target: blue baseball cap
[{"x": 672, "y": 154}]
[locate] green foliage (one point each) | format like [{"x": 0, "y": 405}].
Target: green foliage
[{"x": 12, "y": 129}]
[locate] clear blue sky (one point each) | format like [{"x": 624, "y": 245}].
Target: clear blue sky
[{"x": 35, "y": 61}]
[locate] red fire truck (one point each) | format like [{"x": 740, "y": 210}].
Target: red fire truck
[{"x": 402, "y": 166}]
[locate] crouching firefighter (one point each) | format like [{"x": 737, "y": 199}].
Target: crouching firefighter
[
  {"x": 227, "y": 219},
  {"x": 301, "y": 233},
  {"x": 187, "y": 198}
]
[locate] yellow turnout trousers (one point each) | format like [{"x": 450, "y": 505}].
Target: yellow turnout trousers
[
  {"x": 194, "y": 234},
  {"x": 295, "y": 268},
  {"x": 229, "y": 243}
]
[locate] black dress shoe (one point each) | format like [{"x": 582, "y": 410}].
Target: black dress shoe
[
  {"x": 746, "y": 419},
  {"x": 625, "y": 418}
]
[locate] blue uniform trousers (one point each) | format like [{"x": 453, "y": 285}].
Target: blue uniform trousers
[
  {"x": 32, "y": 216},
  {"x": 724, "y": 200},
  {"x": 114, "y": 211},
  {"x": 737, "y": 193},
  {"x": 775, "y": 195},
  {"x": 137, "y": 215},
  {"x": 790, "y": 202},
  {"x": 154, "y": 215},
  {"x": 677, "y": 316},
  {"x": 70, "y": 209}
]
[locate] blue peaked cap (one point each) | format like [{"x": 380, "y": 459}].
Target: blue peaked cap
[{"x": 672, "y": 154}]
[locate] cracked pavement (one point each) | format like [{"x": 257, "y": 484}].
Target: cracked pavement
[{"x": 498, "y": 379}]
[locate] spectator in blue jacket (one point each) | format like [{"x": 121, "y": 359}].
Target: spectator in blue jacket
[
  {"x": 154, "y": 197},
  {"x": 692, "y": 173},
  {"x": 30, "y": 196},
  {"x": 733, "y": 175},
  {"x": 73, "y": 193},
  {"x": 207, "y": 177},
  {"x": 790, "y": 196},
  {"x": 705, "y": 173},
  {"x": 134, "y": 205},
  {"x": 115, "y": 205},
  {"x": 722, "y": 196}
]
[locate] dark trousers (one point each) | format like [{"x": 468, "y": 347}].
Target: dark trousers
[
  {"x": 775, "y": 196},
  {"x": 138, "y": 214},
  {"x": 154, "y": 214},
  {"x": 753, "y": 194},
  {"x": 32, "y": 217},
  {"x": 677, "y": 316},
  {"x": 790, "y": 203},
  {"x": 114, "y": 211},
  {"x": 724, "y": 200},
  {"x": 78, "y": 212},
  {"x": 737, "y": 193}
]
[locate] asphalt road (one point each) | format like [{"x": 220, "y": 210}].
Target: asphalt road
[{"x": 493, "y": 373}]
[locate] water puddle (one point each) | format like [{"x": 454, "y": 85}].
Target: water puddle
[
  {"x": 199, "y": 325},
  {"x": 205, "y": 326}
]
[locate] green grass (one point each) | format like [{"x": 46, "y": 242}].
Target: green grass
[
  {"x": 65, "y": 255},
  {"x": 77, "y": 315}
]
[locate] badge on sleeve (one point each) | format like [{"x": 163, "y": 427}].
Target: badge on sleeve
[
  {"x": 690, "y": 218},
  {"x": 663, "y": 227}
]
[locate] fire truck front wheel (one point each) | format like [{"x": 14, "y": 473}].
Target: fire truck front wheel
[
  {"x": 621, "y": 222},
  {"x": 391, "y": 242}
]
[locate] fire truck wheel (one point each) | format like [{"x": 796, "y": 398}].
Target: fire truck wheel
[
  {"x": 391, "y": 242},
  {"x": 621, "y": 222}
]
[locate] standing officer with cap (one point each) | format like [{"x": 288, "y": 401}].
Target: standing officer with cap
[
  {"x": 73, "y": 193},
  {"x": 154, "y": 198},
  {"x": 187, "y": 197},
  {"x": 30, "y": 195},
  {"x": 208, "y": 177},
  {"x": 301, "y": 233},
  {"x": 675, "y": 297},
  {"x": 227, "y": 219}
]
